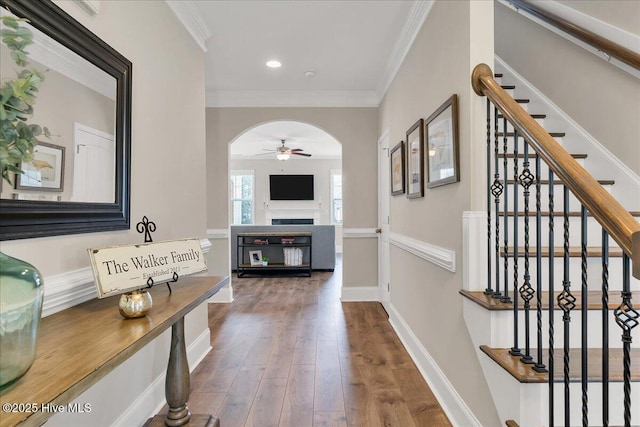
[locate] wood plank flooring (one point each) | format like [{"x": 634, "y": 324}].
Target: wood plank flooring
[{"x": 287, "y": 352}]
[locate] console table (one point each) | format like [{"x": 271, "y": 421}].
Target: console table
[{"x": 80, "y": 345}]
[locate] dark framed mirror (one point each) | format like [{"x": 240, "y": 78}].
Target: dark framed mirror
[{"x": 69, "y": 203}]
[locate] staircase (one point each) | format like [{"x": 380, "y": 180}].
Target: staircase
[{"x": 555, "y": 296}]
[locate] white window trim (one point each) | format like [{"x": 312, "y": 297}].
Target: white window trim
[
  {"x": 253, "y": 194},
  {"x": 332, "y": 173}
]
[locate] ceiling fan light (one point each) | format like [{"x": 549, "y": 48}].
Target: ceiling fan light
[{"x": 282, "y": 156}]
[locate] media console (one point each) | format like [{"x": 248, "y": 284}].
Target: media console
[{"x": 298, "y": 260}]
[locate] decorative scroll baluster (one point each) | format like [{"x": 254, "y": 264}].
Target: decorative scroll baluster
[
  {"x": 526, "y": 291},
  {"x": 539, "y": 365},
  {"x": 551, "y": 298},
  {"x": 496, "y": 190},
  {"x": 627, "y": 318},
  {"x": 583, "y": 299},
  {"x": 488, "y": 290},
  {"x": 515, "y": 350},
  {"x": 566, "y": 302},
  {"x": 505, "y": 298},
  {"x": 605, "y": 328}
]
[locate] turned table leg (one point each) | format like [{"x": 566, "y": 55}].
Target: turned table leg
[{"x": 177, "y": 383}]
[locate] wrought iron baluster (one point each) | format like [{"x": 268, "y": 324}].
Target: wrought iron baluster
[
  {"x": 539, "y": 365},
  {"x": 627, "y": 318},
  {"x": 551, "y": 244},
  {"x": 496, "y": 190},
  {"x": 526, "y": 178},
  {"x": 488, "y": 290},
  {"x": 566, "y": 302},
  {"x": 583, "y": 313},
  {"x": 515, "y": 350},
  {"x": 605, "y": 328},
  {"x": 505, "y": 298}
]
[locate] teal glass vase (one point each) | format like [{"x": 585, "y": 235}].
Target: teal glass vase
[{"x": 21, "y": 295}]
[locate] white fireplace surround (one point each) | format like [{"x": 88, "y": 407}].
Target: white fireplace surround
[{"x": 292, "y": 214}]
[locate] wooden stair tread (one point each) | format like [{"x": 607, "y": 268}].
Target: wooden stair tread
[
  {"x": 524, "y": 373},
  {"x": 533, "y": 156},
  {"x": 559, "y": 214},
  {"x": 574, "y": 251},
  {"x": 521, "y": 101},
  {"x": 498, "y": 75},
  {"x": 535, "y": 116},
  {"x": 594, "y": 300},
  {"x": 508, "y": 87},
  {"x": 511, "y": 423},
  {"x": 546, "y": 182},
  {"x": 553, "y": 134}
]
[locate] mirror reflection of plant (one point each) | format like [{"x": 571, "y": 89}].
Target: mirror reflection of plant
[{"x": 17, "y": 98}]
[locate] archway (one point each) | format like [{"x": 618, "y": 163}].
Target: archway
[{"x": 311, "y": 152}]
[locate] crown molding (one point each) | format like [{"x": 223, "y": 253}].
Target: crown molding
[
  {"x": 291, "y": 99},
  {"x": 188, "y": 14},
  {"x": 417, "y": 15}
]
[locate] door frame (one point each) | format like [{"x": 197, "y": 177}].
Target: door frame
[{"x": 384, "y": 258}]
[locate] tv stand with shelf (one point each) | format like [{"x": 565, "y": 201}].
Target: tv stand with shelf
[{"x": 272, "y": 243}]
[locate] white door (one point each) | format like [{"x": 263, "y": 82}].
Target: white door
[
  {"x": 384, "y": 262},
  {"x": 94, "y": 165}
]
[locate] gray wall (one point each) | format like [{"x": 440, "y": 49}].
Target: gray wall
[
  {"x": 602, "y": 98},
  {"x": 455, "y": 37},
  {"x": 167, "y": 157},
  {"x": 354, "y": 128}
]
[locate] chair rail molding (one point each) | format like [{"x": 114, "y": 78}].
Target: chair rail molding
[
  {"x": 442, "y": 257},
  {"x": 218, "y": 233},
  {"x": 359, "y": 233}
]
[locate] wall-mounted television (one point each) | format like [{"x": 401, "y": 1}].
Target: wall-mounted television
[{"x": 291, "y": 187}]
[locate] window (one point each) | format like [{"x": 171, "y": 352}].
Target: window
[
  {"x": 336, "y": 197},
  {"x": 241, "y": 197}
]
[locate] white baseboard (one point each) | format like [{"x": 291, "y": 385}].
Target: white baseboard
[
  {"x": 224, "y": 295},
  {"x": 359, "y": 293},
  {"x": 153, "y": 396},
  {"x": 456, "y": 409}
]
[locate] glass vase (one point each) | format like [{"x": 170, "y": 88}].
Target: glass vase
[{"x": 21, "y": 295}]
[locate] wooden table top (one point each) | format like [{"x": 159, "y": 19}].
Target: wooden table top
[
  {"x": 275, "y": 234},
  {"x": 78, "y": 346}
]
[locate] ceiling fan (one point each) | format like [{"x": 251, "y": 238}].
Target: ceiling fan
[{"x": 283, "y": 152}]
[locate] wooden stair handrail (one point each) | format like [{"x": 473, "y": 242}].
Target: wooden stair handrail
[
  {"x": 612, "y": 49},
  {"x": 613, "y": 217}
]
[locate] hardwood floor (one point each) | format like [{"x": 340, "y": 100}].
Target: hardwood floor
[{"x": 287, "y": 352}]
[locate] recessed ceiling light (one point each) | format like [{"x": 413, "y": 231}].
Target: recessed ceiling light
[
  {"x": 309, "y": 74},
  {"x": 274, "y": 64}
]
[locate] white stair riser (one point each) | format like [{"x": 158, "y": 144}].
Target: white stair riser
[
  {"x": 510, "y": 148},
  {"x": 594, "y": 231},
  {"x": 594, "y": 405},
  {"x": 594, "y": 274},
  {"x": 574, "y": 203},
  {"x": 502, "y": 330}
]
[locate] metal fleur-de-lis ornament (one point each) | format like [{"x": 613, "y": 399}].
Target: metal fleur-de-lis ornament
[{"x": 147, "y": 227}]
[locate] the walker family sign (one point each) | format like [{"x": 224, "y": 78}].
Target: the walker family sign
[{"x": 119, "y": 269}]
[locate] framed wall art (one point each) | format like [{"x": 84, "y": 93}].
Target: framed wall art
[
  {"x": 415, "y": 164},
  {"x": 45, "y": 172},
  {"x": 397, "y": 169},
  {"x": 255, "y": 258},
  {"x": 443, "y": 152}
]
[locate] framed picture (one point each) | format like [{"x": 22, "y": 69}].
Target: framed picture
[
  {"x": 415, "y": 165},
  {"x": 255, "y": 257},
  {"x": 397, "y": 169},
  {"x": 443, "y": 153},
  {"x": 45, "y": 172}
]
